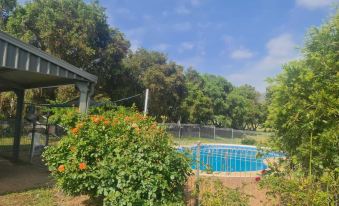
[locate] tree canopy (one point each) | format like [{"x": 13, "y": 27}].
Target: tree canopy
[
  {"x": 78, "y": 32},
  {"x": 304, "y": 101}
]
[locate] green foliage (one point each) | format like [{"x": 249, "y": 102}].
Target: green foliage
[
  {"x": 304, "y": 112},
  {"x": 212, "y": 192},
  {"x": 120, "y": 157},
  {"x": 248, "y": 141},
  {"x": 304, "y": 102},
  {"x": 6, "y": 8},
  {"x": 245, "y": 108},
  {"x": 290, "y": 187},
  {"x": 167, "y": 88},
  {"x": 66, "y": 117},
  {"x": 196, "y": 106},
  {"x": 7, "y": 104}
]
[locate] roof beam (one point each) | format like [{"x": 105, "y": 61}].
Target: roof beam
[{"x": 10, "y": 84}]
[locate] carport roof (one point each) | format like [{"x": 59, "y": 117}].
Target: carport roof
[{"x": 23, "y": 66}]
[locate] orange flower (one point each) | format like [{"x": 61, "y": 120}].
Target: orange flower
[
  {"x": 61, "y": 168},
  {"x": 95, "y": 119},
  {"x": 80, "y": 125},
  {"x": 75, "y": 130},
  {"x": 127, "y": 119},
  {"x": 82, "y": 166},
  {"x": 106, "y": 122}
]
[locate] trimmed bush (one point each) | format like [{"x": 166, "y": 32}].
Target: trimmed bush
[
  {"x": 248, "y": 141},
  {"x": 121, "y": 158}
]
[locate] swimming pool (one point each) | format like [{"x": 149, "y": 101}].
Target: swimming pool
[{"x": 228, "y": 158}]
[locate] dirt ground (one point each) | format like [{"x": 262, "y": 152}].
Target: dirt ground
[
  {"x": 247, "y": 185},
  {"x": 21, "y": 176}
]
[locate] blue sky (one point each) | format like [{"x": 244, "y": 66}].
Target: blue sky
[{"x": 245, "y": 41}]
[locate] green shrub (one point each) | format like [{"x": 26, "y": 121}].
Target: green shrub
[
  {"x": 119, "y": 157},
  {"x": 66, "y": 117},
  {"x": 290, "y": 186},
  {"x": 248, "y": 141}
]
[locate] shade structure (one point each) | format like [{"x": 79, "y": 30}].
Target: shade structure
[{"x": 23, "y": 66}]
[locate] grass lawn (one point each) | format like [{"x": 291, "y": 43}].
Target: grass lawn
[
  {"x": 35, "y": 197},
  {"x": 46, "y": 196}
]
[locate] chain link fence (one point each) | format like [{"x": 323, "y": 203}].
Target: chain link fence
[
  {"x": 184, "y": 133},
  {"x": 33, "y": 139}
]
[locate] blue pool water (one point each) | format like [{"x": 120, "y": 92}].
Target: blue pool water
[{"x": 228, "y": 158}]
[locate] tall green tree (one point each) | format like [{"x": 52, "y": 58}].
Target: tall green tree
[
  {"x": 196, "y": 107},
  {"x": 135, "y": 66},
  {"x": 217, "y": 89},
  {"x": 167, "y": 90},
  {"x": 304, "y": 102},
  {"x": 246, "y": 109}
]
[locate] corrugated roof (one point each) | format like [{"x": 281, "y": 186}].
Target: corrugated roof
[{"x": 17, "y": 57}]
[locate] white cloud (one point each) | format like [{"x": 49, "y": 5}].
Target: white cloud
[
  {"x": 280, "y": 50},
  {"x": 314, "y": 4},
  {"x": 161, "y": 47},
  {"x": 241, "y": 54},
  {"x": 185, "y": 26},
  {"x": 182, "y": 10},
  {"x": 184, "y": 46}
]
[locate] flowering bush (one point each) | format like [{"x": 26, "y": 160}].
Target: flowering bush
[{"x": 121, "y": 158}]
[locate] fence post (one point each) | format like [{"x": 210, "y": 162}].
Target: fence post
[
  {"x": 199, "y": 132},
  {"x": 232, "y": 133},
  {"x": 32, "y": 142},
  {"x": 197, "y": 177},
  {"x": 179, "y": 131},
  {"x": 214, "y": 132}
]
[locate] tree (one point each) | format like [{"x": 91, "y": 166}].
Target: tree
[
  {"x": 304, "y": 102},
  {"x": 74, "y": 31},
  {"x": 217, "y": 89},
  {"x": 6, "y": 8},
  {"x": 245, "y": 108},
  {"x": 134, "y": 67},
  {"x": 167, "y": 90},
  {"x": 197, "y": 106}
]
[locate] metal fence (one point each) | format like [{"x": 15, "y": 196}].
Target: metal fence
[
  {"x": 33, "y": 139},
  {"x": 228, "y": 160},
  {"x": 187, "y": 131}
]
